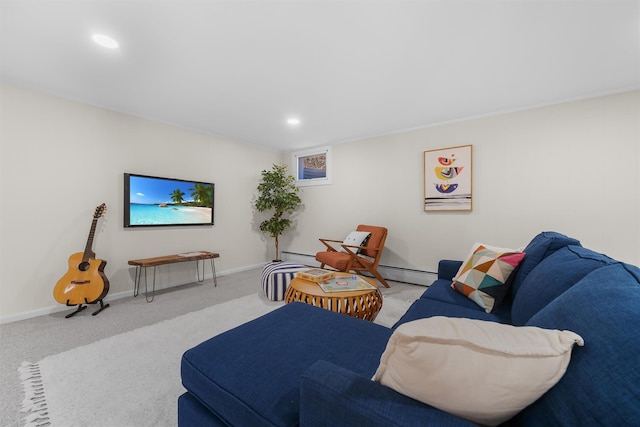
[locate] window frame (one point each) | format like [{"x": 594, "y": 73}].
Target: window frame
[{"x": 296, "y": 156}]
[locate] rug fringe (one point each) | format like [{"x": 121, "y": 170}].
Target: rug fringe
[{"x": 34, "y": 400}]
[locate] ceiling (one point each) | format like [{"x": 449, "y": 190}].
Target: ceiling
[{"x": 347, "y": 69}]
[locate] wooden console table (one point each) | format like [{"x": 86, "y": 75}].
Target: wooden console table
[{"x": 170, "y": 259}]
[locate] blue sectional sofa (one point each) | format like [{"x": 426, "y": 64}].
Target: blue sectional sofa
[{"x": 301, "y": 365}]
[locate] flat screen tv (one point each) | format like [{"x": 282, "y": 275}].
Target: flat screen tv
[{"x": 152, "y": 201}]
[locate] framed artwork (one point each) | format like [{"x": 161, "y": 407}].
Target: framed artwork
[{"x": 448, "y": 179}]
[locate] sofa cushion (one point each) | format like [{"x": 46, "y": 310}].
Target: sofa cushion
[
  {"x": 484, "y": 275},
  {"x": 427, "y": 307},
  {"x": 543, "y": 245},
  {"x": 192, "y": 413},
  {"x": 447, "y": 268},
  {"x": 485, "y": 372},
  {"x": 441, "y": 290},
  {"x": 333, "y": 396},
  {"x": 553, "y": 276},
  {"x": 250, "y": 375},
  {"x": 602, "y": 383}
]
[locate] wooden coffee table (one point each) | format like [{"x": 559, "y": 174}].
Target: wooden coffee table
[{"x": 363, "y": 304}]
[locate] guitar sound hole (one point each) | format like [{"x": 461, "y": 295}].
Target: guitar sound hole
[{"x": 84, "y": 266}]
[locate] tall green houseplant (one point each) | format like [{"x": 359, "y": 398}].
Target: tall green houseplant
[{"x": 278, "y": 193}]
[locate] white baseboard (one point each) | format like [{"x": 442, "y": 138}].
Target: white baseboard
[
  {"x": 116, "y": 296},
  {"x": 397, "y": 274}
]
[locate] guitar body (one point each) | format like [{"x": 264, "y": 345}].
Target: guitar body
[{"x": 84, "y": 283}]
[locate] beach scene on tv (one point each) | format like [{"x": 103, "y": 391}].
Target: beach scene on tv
[{"x": 157, "y": 201}]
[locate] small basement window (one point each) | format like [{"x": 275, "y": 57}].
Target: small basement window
[{"x": 312, "y": 166}]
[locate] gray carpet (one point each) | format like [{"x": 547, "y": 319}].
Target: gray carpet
[{"x": 36, "y": 338}]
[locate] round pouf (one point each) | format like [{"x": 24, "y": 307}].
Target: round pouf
[{"x": 276, "y": 277}]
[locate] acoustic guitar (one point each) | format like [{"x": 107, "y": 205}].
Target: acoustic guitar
[{"x": 85, "y": 282}]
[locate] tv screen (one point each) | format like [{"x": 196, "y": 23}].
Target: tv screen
[{"x": 151, "y": 201}]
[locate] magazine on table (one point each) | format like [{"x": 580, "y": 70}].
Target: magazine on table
[{"x": 345, "y": 284}]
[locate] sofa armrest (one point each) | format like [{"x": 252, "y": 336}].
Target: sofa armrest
[
  {"x": 447, "y": 268},
  {"x": 331, "y": 395}
]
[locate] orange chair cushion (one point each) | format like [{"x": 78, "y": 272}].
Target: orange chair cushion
[
  {"x": 337, "y": 260},
  {"x": 377, "y": 234}
]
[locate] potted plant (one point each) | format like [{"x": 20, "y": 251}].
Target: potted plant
[{"x": 278, "y": 193}]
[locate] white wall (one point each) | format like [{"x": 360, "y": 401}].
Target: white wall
[
  {"x": 61, "y": 159},
  {"x": 571, "y": 168}
]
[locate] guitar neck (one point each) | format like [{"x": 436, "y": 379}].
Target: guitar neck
[{"x": 88, "y": 252}]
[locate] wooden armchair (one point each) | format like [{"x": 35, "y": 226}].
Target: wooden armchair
[{"x": 356, "y": 258}]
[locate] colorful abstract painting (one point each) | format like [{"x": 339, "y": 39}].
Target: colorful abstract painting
[{"x": 447, "y": 179}]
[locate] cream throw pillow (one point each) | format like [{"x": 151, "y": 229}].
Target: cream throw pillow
[
  {"x": 356, "y": 238},
  {"x": 482, "y": 371}
]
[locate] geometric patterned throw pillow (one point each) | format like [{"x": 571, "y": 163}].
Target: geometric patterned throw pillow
[{"x": 483, "y": 277}]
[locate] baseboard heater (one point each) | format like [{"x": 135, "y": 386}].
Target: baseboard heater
[{"x": 397, "y": 274}]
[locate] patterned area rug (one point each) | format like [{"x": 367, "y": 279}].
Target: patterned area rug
[{"x": 133, "y": 379}]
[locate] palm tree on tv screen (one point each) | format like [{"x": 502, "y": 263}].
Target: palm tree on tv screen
[
  {"x": 176, "y": 196},
  {"x": 201, "y": 194}
]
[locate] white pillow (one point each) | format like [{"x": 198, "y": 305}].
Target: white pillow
[
  {"x": 356, "y": 238},
  {"x": 482, "y": 371}
]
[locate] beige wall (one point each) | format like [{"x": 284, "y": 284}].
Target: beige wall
[
  {"x": 572, "y": 168},
  {"x": 61, "y": 159}
]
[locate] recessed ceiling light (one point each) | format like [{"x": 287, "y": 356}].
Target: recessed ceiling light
[
  {"x": 293, "y": 121},
  {"x": 105, "y": 41}
]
